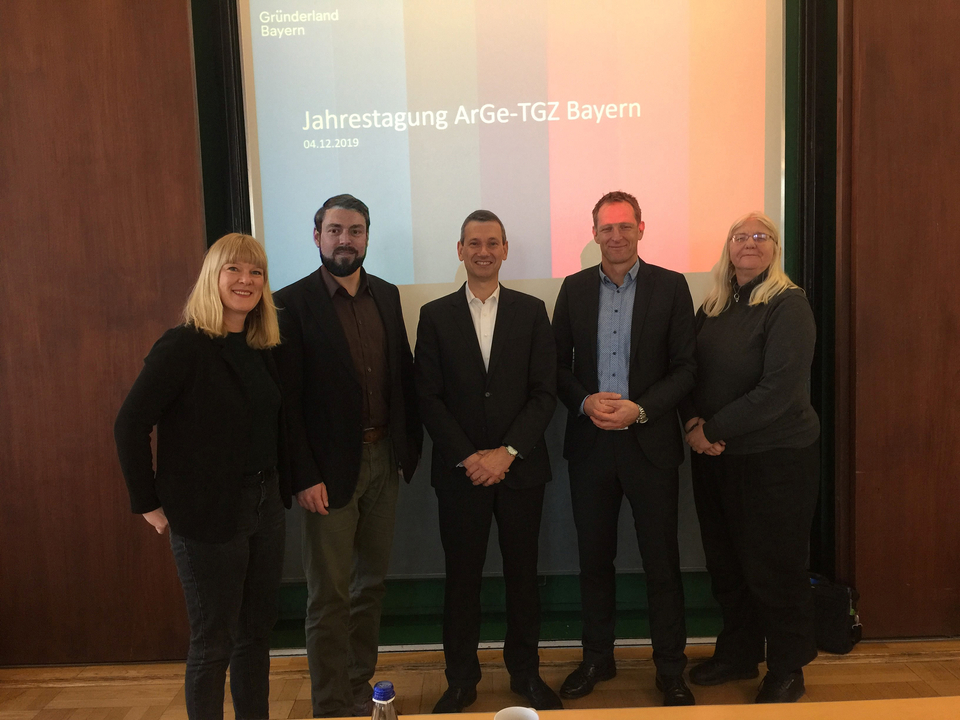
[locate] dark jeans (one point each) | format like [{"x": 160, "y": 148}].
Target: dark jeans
[
  {"x": 755, "y": 514},
  {"x": 466, "y": 513},
  {"x": 618, "y": 467},
  {"x": 232, "y": 593}
]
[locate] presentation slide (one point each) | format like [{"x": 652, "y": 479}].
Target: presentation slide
[{"x": 429, "y": 109}]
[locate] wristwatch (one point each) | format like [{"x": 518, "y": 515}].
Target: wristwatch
[
  {"x": 512, "y": 450},
  {"x": 641, "y": 414}
]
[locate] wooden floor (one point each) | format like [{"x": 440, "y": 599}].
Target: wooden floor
[{"x": 155, "y": 691}]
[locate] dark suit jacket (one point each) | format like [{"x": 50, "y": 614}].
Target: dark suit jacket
[
  {"x": 322, "y": 393},
  {"x": 466, "y": 408},
  {"x": 662, "y": 364},
  {"x": 190, "y": 389}
]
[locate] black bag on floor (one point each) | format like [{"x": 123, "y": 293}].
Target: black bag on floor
[{"x": 835, "y": 610}]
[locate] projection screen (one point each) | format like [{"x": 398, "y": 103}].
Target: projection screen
[{"x": 430, "y": 109}]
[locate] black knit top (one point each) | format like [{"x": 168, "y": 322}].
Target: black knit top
[
  {"x": 753, "y": 370},
  {"x": 264, "y": 398}
]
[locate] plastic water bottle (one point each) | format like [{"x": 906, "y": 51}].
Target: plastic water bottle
[{"x": 383, "y": 695}]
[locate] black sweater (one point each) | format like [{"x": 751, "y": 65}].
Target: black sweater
[
  {"x": 753, "y": 365},
  {"x": 192, "y": 390},
  {"x": 263, "y": 395}
]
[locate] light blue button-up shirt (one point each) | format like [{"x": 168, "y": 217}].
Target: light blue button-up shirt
[
  {"x": 613, "y": 332},
  {"x": 614, "y": 321}
]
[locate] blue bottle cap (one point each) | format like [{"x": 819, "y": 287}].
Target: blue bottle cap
[{"x": 383, "y": 691}]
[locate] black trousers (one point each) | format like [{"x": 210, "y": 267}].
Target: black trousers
[
  {"x": 755, "y": 514},
  {"x": 618, "y": 467},
  {"x": 232, "y": 591},
  {"x": 465, "y": 517}
]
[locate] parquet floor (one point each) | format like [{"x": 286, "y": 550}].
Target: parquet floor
[{"x": 874, "y": 670}]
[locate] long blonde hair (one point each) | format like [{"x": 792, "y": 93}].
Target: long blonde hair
[
  {"x": 204, "y": 309},
  {"x": 719, "y": 296}
]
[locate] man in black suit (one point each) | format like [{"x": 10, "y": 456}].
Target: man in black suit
[
  {"x": 486, "y": 377},
  {"x": 625, "y": 347},
  {"x": 348, "y": 389}
]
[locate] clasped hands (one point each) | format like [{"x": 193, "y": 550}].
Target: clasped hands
[
  {"x": 698, "y": 441},
  {"x": 488, "y": 467},
  {"x": 609, "y": 412}
]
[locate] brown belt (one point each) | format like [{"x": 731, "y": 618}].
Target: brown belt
[{"x": 376, "y": 434}]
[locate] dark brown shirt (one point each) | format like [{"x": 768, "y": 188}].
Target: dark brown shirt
[{"x": 367, "y": 339}]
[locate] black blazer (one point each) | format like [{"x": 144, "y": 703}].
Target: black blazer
[
  {"x": 190, "y": 389},
  {"x": 467, "y": 408},
  {"x": 662, "y": 358},
  {"x": 322, "y": 393}
]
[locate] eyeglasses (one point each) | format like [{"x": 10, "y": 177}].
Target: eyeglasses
[{"x": 757, "y": 237}]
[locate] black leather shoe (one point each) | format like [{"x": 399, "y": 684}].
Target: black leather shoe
[
  {"x": 580, "y": 682},
  {"x": 675, "y": 690},
  {"x": 716, "y": 672},
  {"x": 536, "y": 692},
  {"x": 363, "y": 708},
  {"x": 781, "y": 688},
  {"x": 455, "y": 699}
]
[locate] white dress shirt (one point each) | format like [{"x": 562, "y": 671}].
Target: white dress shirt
[{"x": 484, "y": 314}]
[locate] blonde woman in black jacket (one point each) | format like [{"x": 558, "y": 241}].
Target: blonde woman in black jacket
[{"x": 211, "y": 388}]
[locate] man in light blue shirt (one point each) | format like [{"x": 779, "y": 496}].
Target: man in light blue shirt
[{"x": 625, "y": 350}]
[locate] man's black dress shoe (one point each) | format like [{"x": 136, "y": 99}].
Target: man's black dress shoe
[
  {"x": 363, "y": 708},
  {"x": 781, "y": 688},
  {"x": 455, "y": 699},
  {"x": 536, "y": 692},
  {"x": 675, "y": 690},
  {"x": 716, "y": 672},
  {"x": 581, "y": 681}
]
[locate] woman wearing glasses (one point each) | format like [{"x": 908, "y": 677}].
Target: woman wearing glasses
[
  {"x": 210, "y": 387},
  {"x": 756, "y": 462}
]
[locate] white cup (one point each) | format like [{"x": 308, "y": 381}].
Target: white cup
[{"x": 517, "y": 713}]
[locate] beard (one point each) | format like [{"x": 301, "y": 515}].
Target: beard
[{"x": 343, "y": 263}]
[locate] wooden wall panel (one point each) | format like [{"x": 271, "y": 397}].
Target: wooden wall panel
[
  {"x": 102, "y": 234},
  {"x": 901, "y": 260}
]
